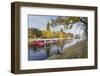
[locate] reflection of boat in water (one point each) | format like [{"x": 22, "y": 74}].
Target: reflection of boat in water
[{"x": 52, "y": 47}]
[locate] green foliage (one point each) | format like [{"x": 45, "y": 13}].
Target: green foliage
[
  {"x": 34, "y": 33},
  {"x": 72, "y": 20},
  {"x": 30, "y": 33},
  {"x": 61, "y": 30},
  {"x": 37, "y": 32},
  {"x": 48, "y": 26},
  {"x": 64, "y": 20},
  {"x": 85, "y": 53},
  {"x": 67, "y": 20}
]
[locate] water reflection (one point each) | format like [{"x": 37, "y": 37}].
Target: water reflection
[
  {"x": 49, "y": 50},
  {"x": 37, "y": 54}
]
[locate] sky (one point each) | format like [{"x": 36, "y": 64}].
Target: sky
[{"x": 40, "y": 22}]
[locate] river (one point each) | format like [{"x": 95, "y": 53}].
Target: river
[{"x": 53, "y": 49}]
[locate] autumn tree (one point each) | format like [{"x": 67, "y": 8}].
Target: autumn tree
[
  {"x": 48, "y": 33},
  {"x": 66, "y": 21}
]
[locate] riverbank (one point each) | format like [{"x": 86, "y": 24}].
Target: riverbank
[{"x": 78, "y": 50}]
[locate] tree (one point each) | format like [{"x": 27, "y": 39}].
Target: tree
[
  {"x": 33, "y": 32},
  {"x": 37, "y": 32},
  {"x": 66, "y": 21},
  {"x": 48, "y": 26},
  {"x": 48, "y": 33},
  {"x": 30, "y": 33},
  {"x": 84, "y": 20},
  {"x": 62, "y": 20}
]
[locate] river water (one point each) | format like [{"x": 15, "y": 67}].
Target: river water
[{"x": 42, "y": 53}]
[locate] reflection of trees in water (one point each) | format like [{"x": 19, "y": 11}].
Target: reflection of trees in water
[
  {"x": 50, "y": 49},
  {"x": 60, "y": 43},
  {"x": 55, "y": 48}
]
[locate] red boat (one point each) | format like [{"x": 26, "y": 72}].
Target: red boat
[
  {"x": 42, "y": 43},
  {"x": 38, "y": 43}
]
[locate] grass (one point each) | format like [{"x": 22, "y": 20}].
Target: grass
[
  {"x": 78, "y": 50},
  {"x": 85, "y": 53}
]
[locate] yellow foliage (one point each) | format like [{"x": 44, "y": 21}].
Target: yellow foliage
[
  {"x": 47, "y": 34},
  {"x": 60, "y": 34}
]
